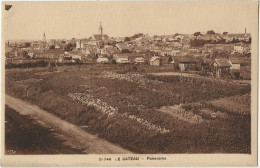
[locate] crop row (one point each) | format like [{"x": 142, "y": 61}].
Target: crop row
[
  {"x": 136, "y": 78},
  {"x": 29, "y": 81},
  {"x": 105, "y": 108},
  {"x": 187, "y": 115},
  {"x": 97, "y": 103},
  {"x": 147, "y": 124}
]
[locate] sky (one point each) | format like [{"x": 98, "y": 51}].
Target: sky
[{"x": 66, "y": 20}]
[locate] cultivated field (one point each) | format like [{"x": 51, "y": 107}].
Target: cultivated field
[{"x": 144, "y": 113}]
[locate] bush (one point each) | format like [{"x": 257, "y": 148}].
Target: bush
[{"x": 113, "y": 61}]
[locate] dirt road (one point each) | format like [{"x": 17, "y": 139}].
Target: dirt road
[{"x": 74, "y": 136}]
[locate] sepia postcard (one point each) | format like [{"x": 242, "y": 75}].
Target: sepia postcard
[{"x": 135, "y": 83}]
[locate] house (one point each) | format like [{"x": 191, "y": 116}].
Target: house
[
  {"x": 102, "y": 60},
  {"x": 11, "y": 52},
  {"x": 221, "y": 67},
  {"x": 51, "y": 53},
  {"x": 185, "y": 63},
  {"x": 122, "y": 59},
  {"x": 167, "y": 52},
  {"x": 31, "y": 54},
  {"x": 76, "y": 57},
  {"x": 139, "y": 60},
  {"x": 193, "y": 50},
  {"x": 235, "y": 63},
  {"x": 155, "y": 61},
  {"x": 238, "y": 49}
]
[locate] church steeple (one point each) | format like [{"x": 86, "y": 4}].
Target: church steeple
[
  {"x": 101, "y": 29},
  {"x": 44, "y": 38}
]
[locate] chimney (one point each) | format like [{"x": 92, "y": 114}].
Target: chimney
[{"x": 245, "y": 30}]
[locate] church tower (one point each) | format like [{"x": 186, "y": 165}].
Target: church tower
[
  {"x": 101, "y": 29},
  {"x": 44, "y": 38},
  {"x": 44, "y": 43}
]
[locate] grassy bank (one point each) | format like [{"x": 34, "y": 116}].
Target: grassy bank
[{"x": 23, "y": 136}]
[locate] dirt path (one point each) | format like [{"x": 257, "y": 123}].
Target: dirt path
[{"x": 73, "y": 135}]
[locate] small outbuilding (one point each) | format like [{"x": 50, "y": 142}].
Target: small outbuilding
[
  {"x": 185, "y": 63},
  {"x": 122, "y": 59},
  {"x": 76, "y": 57},
  {"x": 139, "y": 60},
  {"x": 235, "y": 63},
  {"x": 221, "y": 67},
  {"x": 102, "y": 60},
  {"x": 155, "y": 61}
]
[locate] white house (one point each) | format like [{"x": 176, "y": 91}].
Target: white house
[
  {"x": 155, "y": 61},
  {"x": 102, "y": 60},
  {"x": 122, "y": 59},
  {"x": 235, "y": 64},
  {"x": 238, "y": 49},
  {"x": 76, "y": 57},
  {"x": 139, "y": 60}
]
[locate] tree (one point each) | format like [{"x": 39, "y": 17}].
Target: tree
[
  {"x": 24, "y": 54},
  {"x": 68, "y": 47},
  {"x": 169, "y": 60},
  {"x": 197, "y": 34},
  {"x": 211, "y": 32},
  {"x": 249, "y": 40},
  {"x": 197, "y": 42},
  {"x": 126, "y": 51},
  {"x": 113, "y": 61},
  {"x": 27, "y": 44},
  {"x": 235, "y": 40},
  {"x": 74, "y": 45},
  {"x": 225, "y": 32},
  {"x": 52, "y": 47},
  {"x": 127, "y": 39}
]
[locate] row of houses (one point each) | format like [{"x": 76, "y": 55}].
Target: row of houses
[{"x": 217, "y": 66}]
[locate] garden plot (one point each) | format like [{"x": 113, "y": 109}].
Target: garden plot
[
  {"x": 46, "y": 73},
  {"x": 105, "y": 108},
  {"x": 208, "y": 113},
  {"x": 182, "y": 114},
  {"x": 28, "y": 81},
  {"x": 97, "y": 103},
  {"x": 234, "y": 105},
  {"x": 149, "y": 125},
  {"x": 136, "y": 78}
]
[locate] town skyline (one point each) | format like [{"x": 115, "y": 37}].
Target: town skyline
[{"x": 81, "y": 20}]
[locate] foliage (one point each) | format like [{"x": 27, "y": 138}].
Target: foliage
[
  {"x": 113, "y": 61},
  {"x": 52, "y": 47},
  {"x": 127, "y": 39},
  {"x": 169, "y": 60},
  {"x": 126, "y": 51},
  {"x": 24, "y": 53},
  {"x": 197, "y": 34},
  {"x": 68, "y": 47},
  {"x": 211, "y": 32},
  {"x": 197, "y": 42}
]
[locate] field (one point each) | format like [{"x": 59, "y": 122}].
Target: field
[{"x": 126, "y": 105}]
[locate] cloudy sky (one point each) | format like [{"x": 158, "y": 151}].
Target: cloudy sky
[{"x": 28, "y": 20}]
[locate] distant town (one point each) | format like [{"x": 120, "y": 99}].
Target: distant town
[{"x": 208, "y": 53}]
